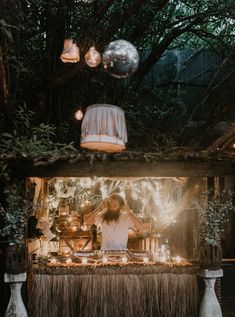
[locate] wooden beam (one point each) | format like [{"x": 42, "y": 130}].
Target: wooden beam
[{"x": 128, "y": 169}]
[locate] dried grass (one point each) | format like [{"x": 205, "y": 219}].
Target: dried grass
[{"x": 114, "y": 295}]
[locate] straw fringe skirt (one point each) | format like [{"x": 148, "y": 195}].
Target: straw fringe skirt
[{"x": 113, "y": 295}]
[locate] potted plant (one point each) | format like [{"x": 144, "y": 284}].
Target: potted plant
[{"x": 212, "y": 220}]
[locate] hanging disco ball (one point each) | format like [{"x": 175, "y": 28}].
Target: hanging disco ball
[{"x": 121, "y": 59}]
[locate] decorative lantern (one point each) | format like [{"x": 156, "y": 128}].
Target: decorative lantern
[
  {"x": 104, "y": 128},
  {"x": 78, "y": 115},
  {"x": 92, "y": 57},
  {"x": 71, "y": 53},
  {"x": 120, "y": 58}
]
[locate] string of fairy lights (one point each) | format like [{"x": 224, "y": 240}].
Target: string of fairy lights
[{"x": 71, "y": 195}]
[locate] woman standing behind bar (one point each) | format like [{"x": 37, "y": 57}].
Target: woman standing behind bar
[{"x": 115, "y": 218}]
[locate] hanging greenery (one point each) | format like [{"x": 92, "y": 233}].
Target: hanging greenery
[{"x": 15, "y": 215}]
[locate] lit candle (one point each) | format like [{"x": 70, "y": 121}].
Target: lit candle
[
  {"x": 162, "y": 258},
  {"x": 84, "y": 228},
  {"x": 145, "y": 259},
  {"x": 68, "y": 261},
  {"x": 124, "y": 259},
  {"x": 105, "y": 259},
  {"x": 84, "y": 260},
  {"x": 178, "y": 259}
]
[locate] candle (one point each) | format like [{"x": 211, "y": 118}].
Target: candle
[
  {"x": 145, "y": 259},
  {"x": 162, "y": 258},
  {"x": 84, "y": 260},
  {"x": 68, "y": 261},
  {"x": 105, "y": 259},
  {"x": 124, "y": 259},
  {"x": 74, "y": 228}
]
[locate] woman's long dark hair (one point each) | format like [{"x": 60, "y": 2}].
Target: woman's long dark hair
[{"x": 110, "y": 215}]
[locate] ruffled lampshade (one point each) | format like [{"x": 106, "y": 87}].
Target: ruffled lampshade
[
  {"x": 104, "y": 128},
  {"x": 71, "y": 52}
]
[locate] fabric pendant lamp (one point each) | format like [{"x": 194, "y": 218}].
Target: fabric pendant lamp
[
  {"x": 104, "y": 128},
  {"x": 71, "y": 52}
]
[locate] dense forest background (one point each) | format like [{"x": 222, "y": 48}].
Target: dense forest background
[{"x": 39, "y": 94}]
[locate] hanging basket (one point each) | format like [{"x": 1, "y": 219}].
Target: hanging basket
[
  {"x": 104, "y": 128},
  {"x": 210, "y": 256},
  {"x": 15, "y": 259}
]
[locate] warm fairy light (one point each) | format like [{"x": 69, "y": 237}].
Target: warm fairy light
[
  {"x": 178, "y": 259},
  {"x": 145, "y": 259},
  {"x": 124, "y": 259},
  {"x": 84, "y": 227},
  {"x": 84, "y": 260},
  {"x": 162, "y": 258},
  {"x": 78, "y": 114},
  {"x": 53, "y": 260},
  {"x": 68, "y": 261},
  {"x": 74, "y": 228},
  {"x": 105, "y": 259}
]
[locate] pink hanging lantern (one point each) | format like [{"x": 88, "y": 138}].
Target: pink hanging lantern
[
  {"x": 92, "y": 57},
  {"x": 104, "y": 128},
  {"x": 71, "y": 52}
]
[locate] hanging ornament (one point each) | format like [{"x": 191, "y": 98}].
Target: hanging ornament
[
  {"x": 71, "y": 52},
  {"x": 92, "y": 57},
  {"x": 78, "y": 114},
  {"x": 121, "y": 59}
]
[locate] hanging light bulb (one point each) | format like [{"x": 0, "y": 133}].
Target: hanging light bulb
[
  {"x": 78, "y": 114},
  {"x": 71, "y": 52},
  {"x": 92, "y": 57}
]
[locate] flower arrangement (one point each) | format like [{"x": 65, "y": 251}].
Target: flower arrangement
[{"x": 212, "y": 220}]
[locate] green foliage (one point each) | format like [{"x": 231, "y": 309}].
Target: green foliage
[
  {"x": 15, "y": 215},
  {"x": 29, "y": 141},
  {"x": 146, "y": 114},
  {"x": 213, "y": 218}
]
